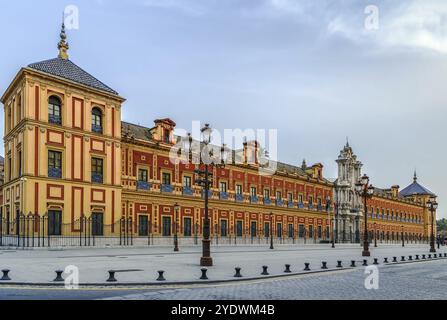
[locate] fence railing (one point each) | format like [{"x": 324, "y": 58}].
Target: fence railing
[{"x": 27, "y": 231}]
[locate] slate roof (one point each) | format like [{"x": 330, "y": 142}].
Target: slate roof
[
  {"x": 415, "y": 188},
  {"x": 66, "y": 69}
]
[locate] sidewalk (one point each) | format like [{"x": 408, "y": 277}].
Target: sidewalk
[{"x": 38, "y": 266}]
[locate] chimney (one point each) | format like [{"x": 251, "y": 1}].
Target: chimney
[{"x": 395, "y": 191}]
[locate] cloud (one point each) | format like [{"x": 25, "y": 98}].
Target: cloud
[
  {"x": 185, "y": 6},
  {"x": 417, "y": 24}
]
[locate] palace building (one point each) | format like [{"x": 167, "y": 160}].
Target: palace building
[{"x": 69, "y": 156}]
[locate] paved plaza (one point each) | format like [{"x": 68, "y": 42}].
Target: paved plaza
[{"x": 38, "y": 266}]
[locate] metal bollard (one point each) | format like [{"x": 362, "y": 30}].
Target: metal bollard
[
  {"x": 5, "y": 275},
  {"x": 306, "y": 266},
  {"x": 385, "y": 260},
  {"x": 376, "y": 261},
  {"x": 402, "y": 258},
  {"x": 410, "y": 258},
  {"x": 204, "y": 277},
  {"x": 445, "y": 255},
  {"x": 160, "y": 275},
  {"x": 111, "y": 276},
  {"x": 352, "y": 263},
  {"x": 429, "y": 256},
  {"x": 59, "y": 276},
  {"x": 365, "y": 263},
  {"x": 339, "y": 265},
  {"x": 435, "y": 255},
  {"x": 264, "y": 271},
  {"x": 238, "y": 272},
  {"x": 323, "y": 265},
  {"x": 417, "y": 257},
  {"x": 287, "y": 269},
  {"x": 394, "y": 259},
  {"x": 423, "y": 257}
]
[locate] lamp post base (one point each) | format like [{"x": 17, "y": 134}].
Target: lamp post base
[
  {"x": 432, "y": 250},
  {"x": 366, "y": 253},
  {"x": 206, "y": 262}
]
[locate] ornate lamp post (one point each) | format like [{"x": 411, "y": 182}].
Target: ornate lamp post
[
  {"x": 328, "y": 207},
  {"x": 432, "y": 205},
  {"x": 205, "y": 181},
  {"x": 365, "y": 190},
  {"x": 271, "y": 230},
  {"x": 176, "y": 210},
  {"x": 375, "y": 235},
  {"x": 402, "y": 235}
]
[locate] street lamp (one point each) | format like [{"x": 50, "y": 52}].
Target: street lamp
[
  {"x": 328, "y": 207},
  {"x": 375, "y": 235},
  {"x": 205, "y": 181},
  {"x": 432, "y": 205},
  {"x": 365, "y": 190},
  {"x": 402, "y": 235},
  {"x": 176, "y": 210},
  {"x": 271, "y": 231}
]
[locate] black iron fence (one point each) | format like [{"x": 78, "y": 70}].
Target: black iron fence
[{"x": 33, "y": 230}]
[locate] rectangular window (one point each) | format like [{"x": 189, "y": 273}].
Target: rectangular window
[
  {"x": 291, "y": 231},
  {"x": 97, "y": 224},
  {"x": 253, "y": 229},
  {"x": 301, "y": 231},
  {"x": 187, "y": 227},
  {"x": 266, "y": 229},
  {"x": 97, "y": 170},
  {"x": 54, "y": 223},
  {"x": 20, "y": 163},
  {"x": 290, "y": 197},
  {"x": 266, "y": 194},
  {"x": 166, "y": 231},
  {"x": 187, "y": 181},
  {"x": 166, "y": 178},
  {"x": 223, "y": 228},
  {"x": 54, "y": 164},
  {"x": 223, "y": 187},
  {"x": 239, "y": 228},
  {"x": 253, "y": 192},
  {"x": 311, "y": 200},
  {"x": 300, "y": 198},
  {"x": 279, "y": 230},
  {"x": 278, "y": 195},
  {"x": 238, "y": 189},
  {"x": 311, "y": 231},
  {"x": 319, "y": 232},
  {"x": 9, "y": 169},
  {"x": 143, "y": 226},
  {"x": 142, "y": 175}
]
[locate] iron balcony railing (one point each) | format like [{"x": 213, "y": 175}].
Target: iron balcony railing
[
  {"x": 187, "y": 191},
  {"x": 167, "y": 188},
  {"x": 267, "y": 201},
  {"x": 54, "y": 119},
  {"x": 97, "y": 178},
  {"x": 143, "y": 185},
  {"x": 279, "y": 202},
  {"x": 253, "y": 199},
  {"x": 96, "y": 128},
  {"x": 55, "y": 173},
  {"x": 239, "y": 197},
  {"x": 223, "y": 196}
]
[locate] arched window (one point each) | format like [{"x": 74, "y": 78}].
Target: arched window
[
  {"x": 96, "y": 120},
  {"x": 54, "y": 110}
]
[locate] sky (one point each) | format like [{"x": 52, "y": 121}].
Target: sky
[{"x": 318, "y": 71}]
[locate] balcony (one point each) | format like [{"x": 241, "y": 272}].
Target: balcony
[
  {"x": 97, "y": 178},
  {"x": 267, "y": 201},
  {"x": 187, "y": 191},
  {"x": 239, "y": 197},
  {"x": 96, "y": 128},
  {"x": 279, "y": 202},
  {"x": 290, "y": 204},
  {"x": 310, "y": 206},
  {"x": 319, "y": 207},
  {"x": 143, "y": 185},
  {"x": 223, "y": 195},
  {"x": 55, "y": 173},
  {"x": 55, "y": 119},
  {"x": 210, "y": 194},
  {"x": 254, "y": 199},
  {"x": 300, "y": 205},
  {"x": 167, "y": 188}
]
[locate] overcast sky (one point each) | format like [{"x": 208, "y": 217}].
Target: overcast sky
[{"x": 307, "y": 68}]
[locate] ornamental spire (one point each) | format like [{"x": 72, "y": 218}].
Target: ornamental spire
[
  {"x": 63, "y": 44},
  {"x": 415, "y": 178}
]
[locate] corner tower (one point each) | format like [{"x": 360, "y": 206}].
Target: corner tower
[{"x": 62, "y": 145}]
